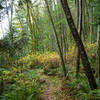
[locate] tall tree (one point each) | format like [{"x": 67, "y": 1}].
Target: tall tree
[
  {"x": 77, "y": 12},
  {"x": 57, "y": 41},
  {"x": 11, "y": 27},
  {"x": 98, "y": 32},
  {"x": 86, "y": 64},
  {"x": 91, "y": 22},
  {"x": 80, "y": 33}
]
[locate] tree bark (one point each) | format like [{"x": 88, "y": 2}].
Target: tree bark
[
  {"x": 98, "y": 49},
  {"x": 64, "y": 43},
  {"x": 86, "y": 64},
  {"x": 80, "y": 33},
  {"x": 11, "y": 29},
  {"x": 84, "y": 21},
  {"x": 57, "y": 41},
  {"x": 77, "y": 8},
  {"x": 91, "y": 21}
]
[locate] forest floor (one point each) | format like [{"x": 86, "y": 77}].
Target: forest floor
[
  {"x": 53, "y": 88},
  {"x": 40, "y": 77}
]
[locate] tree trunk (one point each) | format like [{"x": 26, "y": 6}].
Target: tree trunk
[
  {"x": 86, "y": 64},
  {"x": 11, "y": 29},
  {"x": 64, "y": 43},
  {"x": 11, "y": 35},
  {"x": 84, "y": 22},
  {"x": 91, "y": 21},
  {"x": 77, "y": 9},
  {"x": 98, "y": 50},
  {"x": 80, "y": 33},
  {"x": 56, "y": 37},
  {"x": 78, "y": 64}
]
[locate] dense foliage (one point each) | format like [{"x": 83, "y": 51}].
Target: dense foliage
[{"x": 36, "y": 44}]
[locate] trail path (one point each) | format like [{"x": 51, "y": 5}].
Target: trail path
[
  {"x": 47, "y": 93},
  {"x": 53, "y": 88}
]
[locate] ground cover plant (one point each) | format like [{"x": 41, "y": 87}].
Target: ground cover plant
[{"x": 49, "y": 50}]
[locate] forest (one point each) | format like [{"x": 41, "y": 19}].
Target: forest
[{"x": 49, "y": 49}]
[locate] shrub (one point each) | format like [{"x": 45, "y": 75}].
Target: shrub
[{"x": 20, "y": 84}]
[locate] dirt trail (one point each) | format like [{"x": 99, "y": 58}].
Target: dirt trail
[
  {"x": 53, "y": 88},
  {"x": 48, "y": 92}
]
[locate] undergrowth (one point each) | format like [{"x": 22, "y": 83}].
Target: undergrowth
[
  {"x": 19, "y": 84},
  {"x": 19, "y": 80},
  {"x": 80, "y": 90}
]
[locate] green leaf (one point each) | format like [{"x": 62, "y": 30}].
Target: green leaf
[{"x": 30, "y": 97}]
